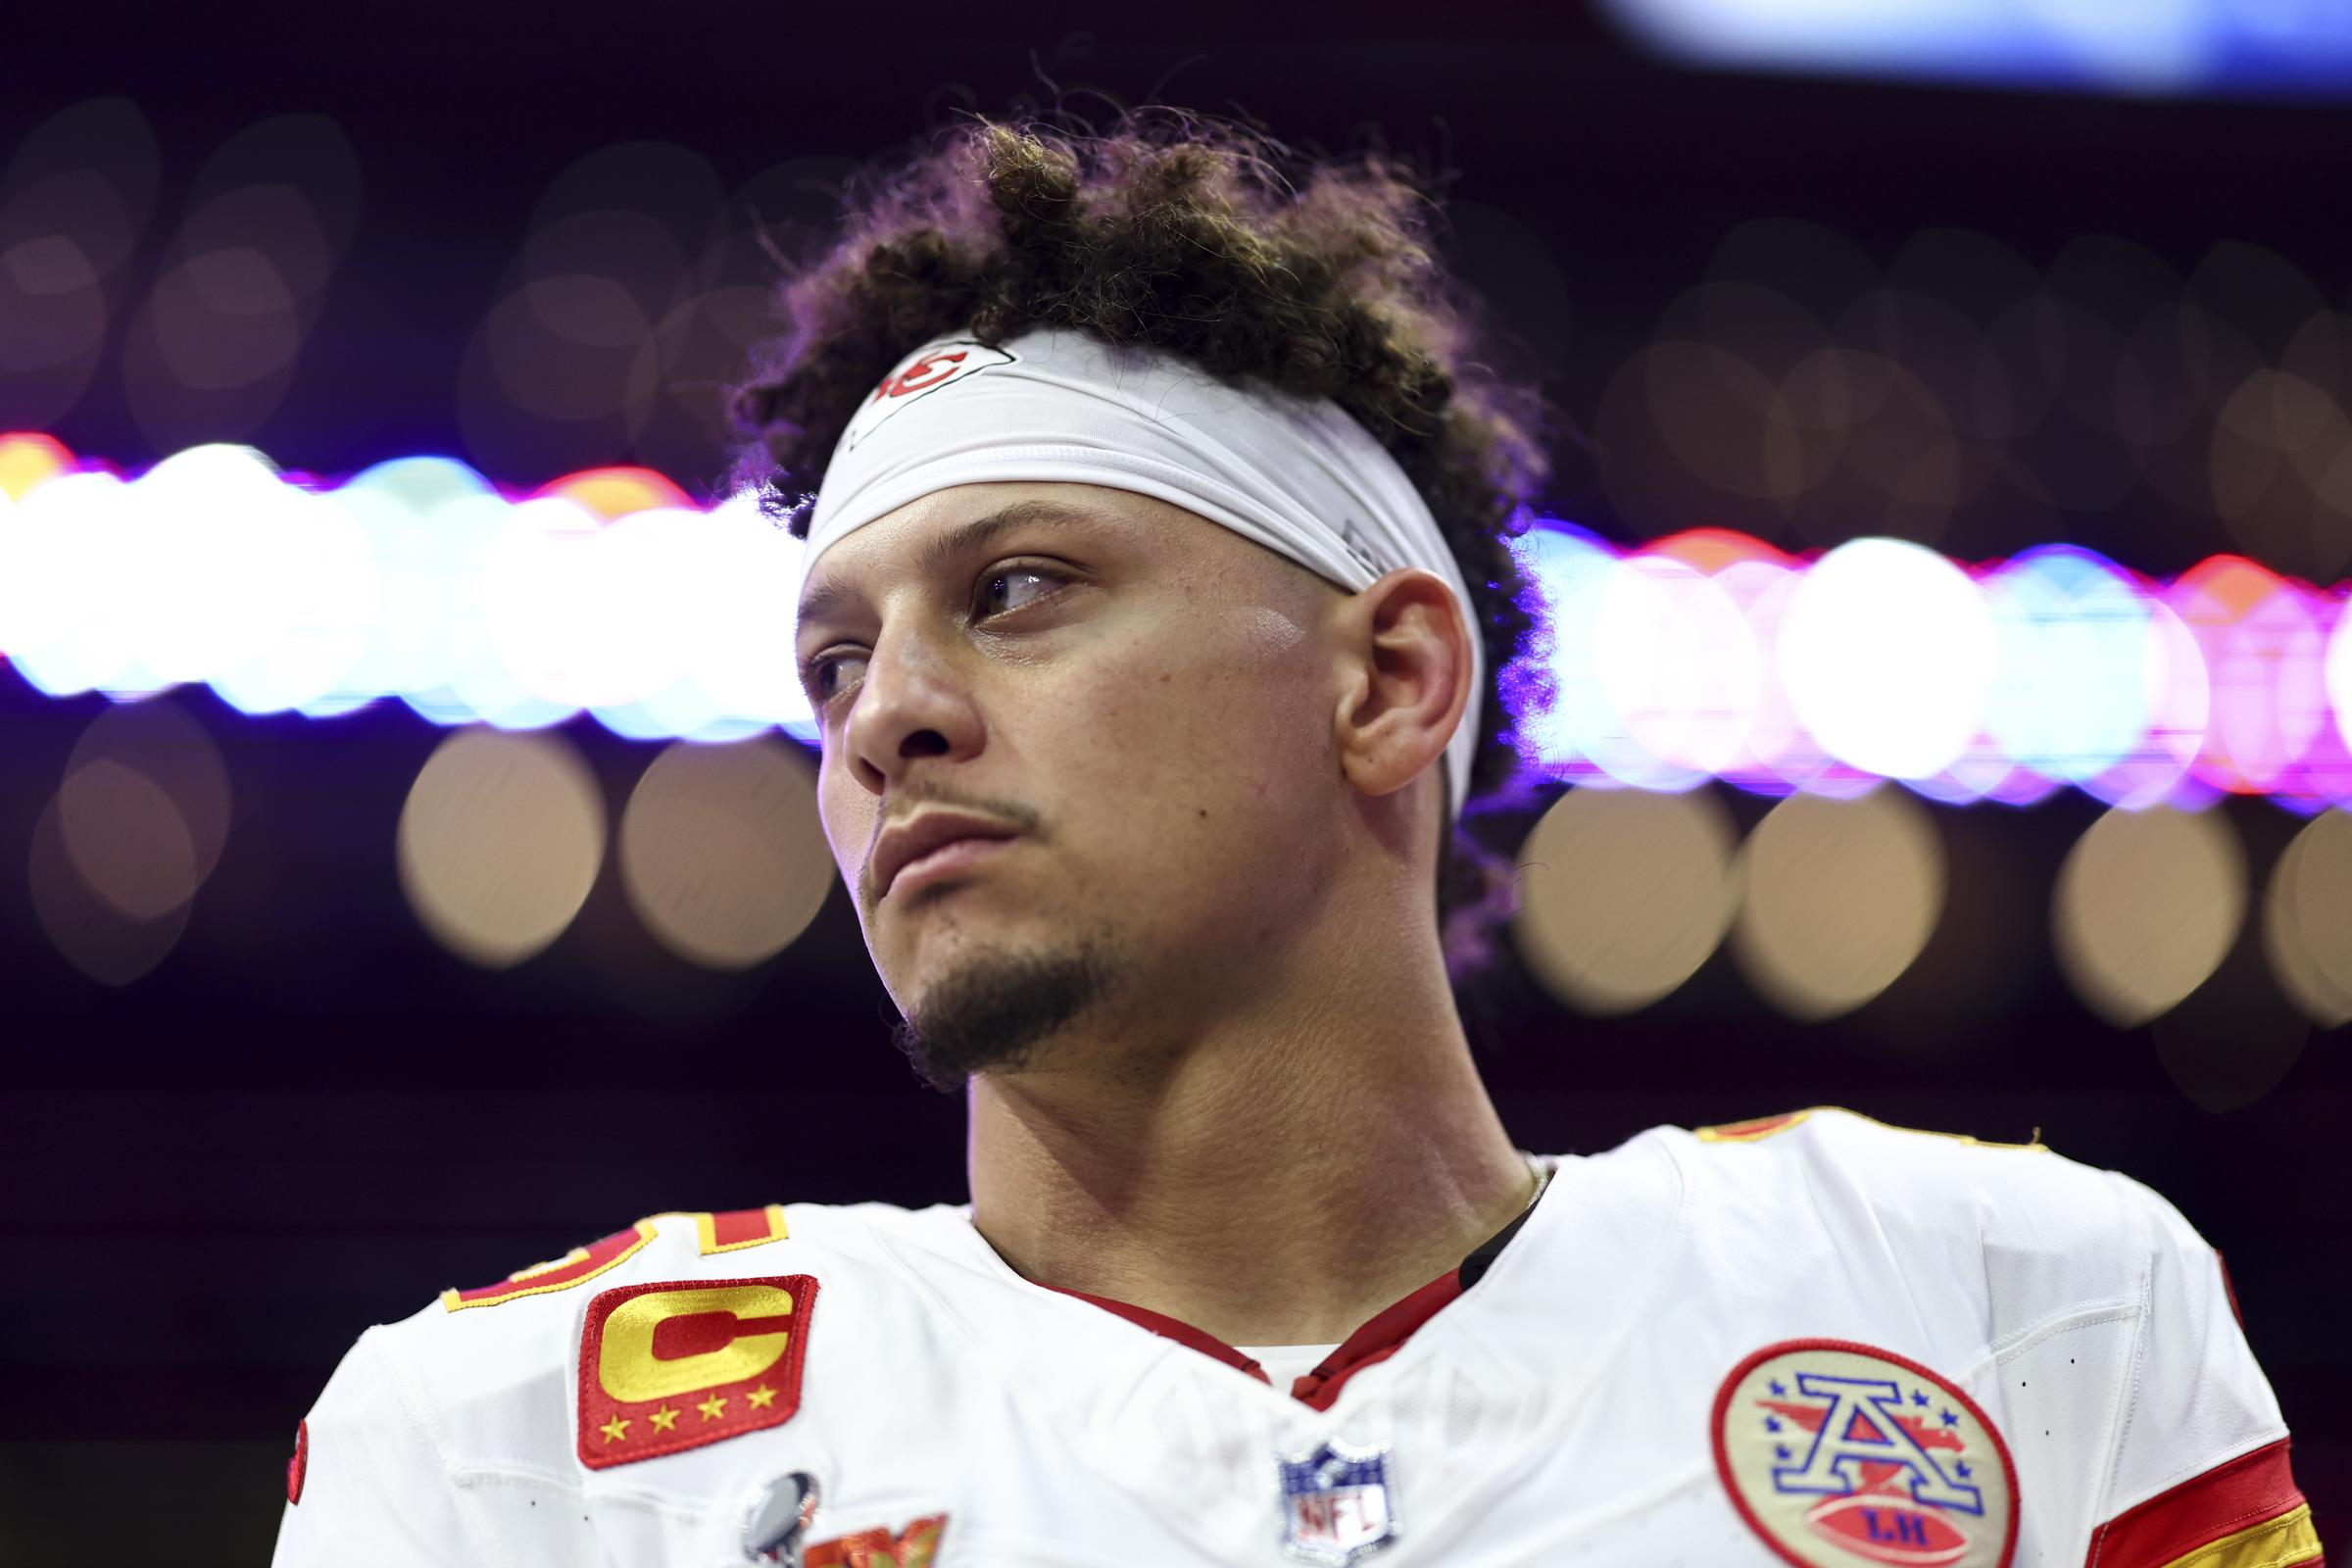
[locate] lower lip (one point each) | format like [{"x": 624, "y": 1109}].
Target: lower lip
[{"x": 948, "y": 859}]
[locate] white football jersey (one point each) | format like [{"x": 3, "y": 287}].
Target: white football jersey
[{"x": 1812, "y": 1339}]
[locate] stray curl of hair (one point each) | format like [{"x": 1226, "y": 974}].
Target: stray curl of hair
[{"x": 1183, "y": 232}]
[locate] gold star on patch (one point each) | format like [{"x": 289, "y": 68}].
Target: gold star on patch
[
  {"x": 761, "y": 1397},
  {"x": 666, "y": 1419},
  {"x": 713, "y": 1408},
  {"x": 616, "y": 1429}
]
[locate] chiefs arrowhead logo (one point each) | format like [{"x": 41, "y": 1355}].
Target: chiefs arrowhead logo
[{"x": 936, "y": 365}]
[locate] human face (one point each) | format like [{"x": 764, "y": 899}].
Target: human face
[{"x": 1141, "y": 698}]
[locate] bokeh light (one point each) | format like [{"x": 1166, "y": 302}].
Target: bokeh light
[
  {"x": 1703, "y": 654},
  {"x": 210, "y": 353},
  {"x": 1888, "y": 653},
  {"x": 721, "y": 853},
  {"x": 160, "y": 740},
  {"x": 93, "y": 935},
  {"x": 596, "y": 317},
  {"x": 2338, "y": 672},
  {"x": 500, "y": 839},
  {"x": 1838, "y": 898},
  {"x": 127, "y": 839},
  {"x": 75, "y": 200},
  {"x": 2146, "y": 905},
  {"x": 1622, "y": 895},
  {"x": 2307, "y": 920},
  {"x": 2068, "y": 693}
]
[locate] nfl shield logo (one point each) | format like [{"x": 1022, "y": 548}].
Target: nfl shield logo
[{"x": 1335, "y": 1504}]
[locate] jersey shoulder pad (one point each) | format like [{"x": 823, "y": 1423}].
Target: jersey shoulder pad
[
  {"x": 1886, "y": 1164},
  {"x": 712, "y": 1234},
  {"x": 2032, "y": 1226},
  {"x": 491, "y": 1365},
  {"x": 1762, "y": 1127}
]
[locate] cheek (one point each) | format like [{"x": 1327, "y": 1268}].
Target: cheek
[
  {"x": 846, "y": 812},
  {"x": 1224, "y": 717}
]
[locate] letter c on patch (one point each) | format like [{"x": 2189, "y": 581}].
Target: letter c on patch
[{"x": 667, "y": 1343}]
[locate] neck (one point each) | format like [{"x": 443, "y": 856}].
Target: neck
[{"x": 1271, "y": 1178}]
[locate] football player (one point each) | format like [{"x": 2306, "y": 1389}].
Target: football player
[{"x": 1156, "y": 606}]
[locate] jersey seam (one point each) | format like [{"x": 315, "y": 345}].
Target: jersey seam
[
  {"x": 2065, "y": 1320},
  {"x": 2128, "y": 1409}
]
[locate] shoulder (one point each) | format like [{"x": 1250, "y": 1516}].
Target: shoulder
[
  {"x": 1908, "y": 1171},
  {"x": 2029, "y": 1227},
  {"x": 488, "y": 1372}
]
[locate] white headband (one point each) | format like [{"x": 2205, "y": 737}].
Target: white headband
[{"x": 1299, "y": 477}]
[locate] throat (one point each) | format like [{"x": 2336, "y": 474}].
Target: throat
[{"x": 1277, "y": 1187}]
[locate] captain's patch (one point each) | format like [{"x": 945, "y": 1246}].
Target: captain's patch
[
  {"x": 677, "y": 1364},
  {"x": 1838, "y": 1454}
]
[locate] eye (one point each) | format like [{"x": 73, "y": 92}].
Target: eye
[
  {"x": 1003, "y": 581},
  {"x": 817, "y": 676},
  {"x": 820, "y": 676}
]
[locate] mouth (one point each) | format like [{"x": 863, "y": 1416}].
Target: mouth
[{"x": 949, "y": 860}]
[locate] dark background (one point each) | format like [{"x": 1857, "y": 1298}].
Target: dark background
[{"x": 311, "y": 1117}]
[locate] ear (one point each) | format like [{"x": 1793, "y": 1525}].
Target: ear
[{"x": 1404, "y": 678}]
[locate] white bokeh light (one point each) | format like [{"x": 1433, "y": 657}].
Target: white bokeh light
[
  {"x": 1581, "y": 733},
  {"x": 321, "y": 580},
  {"x": 62, "y": 609},
  {"x": 2339, "y": 671},
  {"x": 1677, "y": 663},
  {"x": 610, "y": 591},
  {"x": 1888, "y": 655}
]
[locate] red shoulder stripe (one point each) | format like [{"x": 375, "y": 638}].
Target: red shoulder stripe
[{"x": 2251, "y": 1495}]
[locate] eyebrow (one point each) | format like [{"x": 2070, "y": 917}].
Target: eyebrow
[{"x": 943, "y": 549}]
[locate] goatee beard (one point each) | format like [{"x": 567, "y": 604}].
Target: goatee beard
[{"x": 987, "y": 1015}]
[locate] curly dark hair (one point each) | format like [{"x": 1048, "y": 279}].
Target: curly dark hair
[{"x": 1187, "y": 233}]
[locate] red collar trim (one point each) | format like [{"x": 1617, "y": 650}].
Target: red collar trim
[
  {"x": 1382, "y": 1335},
  {"x": 1168, "y": 1328}
]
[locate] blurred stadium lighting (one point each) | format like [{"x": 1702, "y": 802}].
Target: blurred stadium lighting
[
  {"x": 98, "y": 938},
  {"x": 500, "y": 840},
  {"x": 2338, "y": 672},
  {"x": 2146, "y": 906},
  {"x": 2125, "y": 46},
  {"x": 1888, "y": 654},
  {"x": 1705, "y": 654},
  {"x": 2307, "y": 920},
  {"x": 721, "y": 853},
  {"x": 129, "y": 754},
  {"x": 1837, "y": 900},
  {"x": 2069, "y": 694},
  {"x": 1622, "y": 895}
]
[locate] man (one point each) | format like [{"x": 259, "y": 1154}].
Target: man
[{"x": 1154, "y": 610}]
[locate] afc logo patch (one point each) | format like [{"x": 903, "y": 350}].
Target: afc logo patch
[
  {"x": 677, "y": 1364},
  {"x": 924, "y": 371},
  {"x": 1838, "y": 1454}
]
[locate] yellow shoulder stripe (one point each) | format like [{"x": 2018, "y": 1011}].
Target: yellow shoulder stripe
[
  {"x": 733, "y": 1232},
  {"x": 2286, "y": 1542}
]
